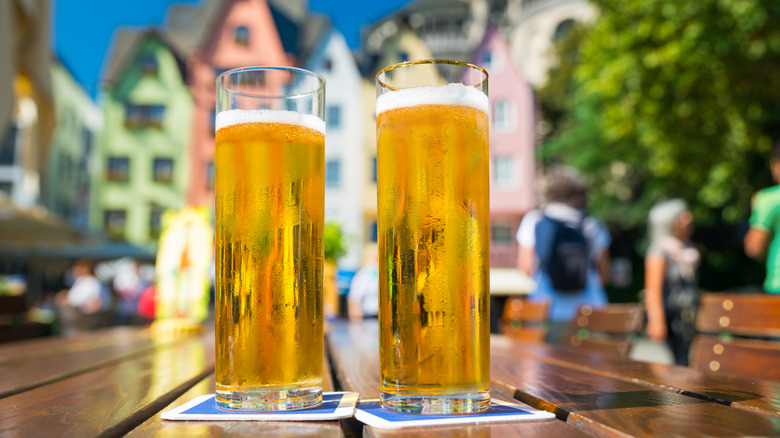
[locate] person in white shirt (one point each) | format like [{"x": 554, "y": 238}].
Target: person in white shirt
[
  {"x": 363, "y": 297},
  {"x": 86, "y": 292}
]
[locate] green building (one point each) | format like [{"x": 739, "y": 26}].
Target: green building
[
  {"x": 78, "y": 124},
  {"x": 141, "y": 160}
]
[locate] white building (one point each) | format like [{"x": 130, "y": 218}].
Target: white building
[{"x": 344, "y": 164}]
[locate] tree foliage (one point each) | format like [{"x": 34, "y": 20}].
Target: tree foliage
[
  {"x": 669, "y": 99},
  {"x": 334, "y": 241}
]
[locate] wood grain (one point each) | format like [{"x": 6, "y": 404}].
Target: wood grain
[
  {"x": 354, "y": 351},
  {"x": 606, "y": 406},
  {"x": 54, "y": 346},
  {"x": 35, "y": 369},
  {"x": 756, "y": 395},
  {"x": 110, "y": 400},
  {"x": 156, "y": 426}
]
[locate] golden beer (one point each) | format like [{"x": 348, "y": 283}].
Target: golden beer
[
  {"x": 269, "y": 183},
  {"x": 433, "y": 226}
]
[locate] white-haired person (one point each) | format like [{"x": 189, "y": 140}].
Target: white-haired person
[{"x": 671, "y": 263}]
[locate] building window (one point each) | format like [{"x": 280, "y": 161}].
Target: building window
[
  {"x": 114, "y": 223},
  {"x": 501, "y": 234},
  {"x": 219, "y": 71},
  {"x": 373, "y": 234},
  {"x": 332, "y": 173},
  {"x": 162, "y": 170},
  {"x": 212, "y": 124},
  {"x": 486, "y": 60},
  {"x": 563, "y": 29},
  {"x": 210, "y": 176},
  {"x": 242, "y": 36},
  {"x": 334, "y": 117},
  {"x": 118, "y": 169},
  {"x": 149, "y": 66},
  {"x": 144, "y": 116},
  {"x": 155, "y": 221},
  {"x": 502, "y": 115},
  {"x": 373, "y": 169},
  {"x": 8, "y": 146},
  {"x": 493, "y": 62},
  {"x": 503, "y": 172}
]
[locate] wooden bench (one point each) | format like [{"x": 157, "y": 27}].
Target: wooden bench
[
  {"x": 735, "y": 332},
  {"x": 607, "y": 330},
  {"x": 525, "y": 320}
]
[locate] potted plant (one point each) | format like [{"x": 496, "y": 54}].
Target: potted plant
[{"x": 335, "y": 248}]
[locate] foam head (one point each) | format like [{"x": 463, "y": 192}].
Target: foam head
[
  {"x": 235, "y": 117},
  {"x": 450, "y": 94}
]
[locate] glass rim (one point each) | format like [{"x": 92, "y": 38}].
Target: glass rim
[
  {"x": 430, "y": 61},
  {"x": 320, "y": 87}
]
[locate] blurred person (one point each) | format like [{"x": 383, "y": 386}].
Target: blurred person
[
  {"x": 670, "y": 278},
  {"x": 558, "y": 236},
  {"x": 80, "y": 307},
  {"x": 363, "y": 296},
  {"x": 86, "y": 293},
  {"x": 761, "y": 241},
  {"x": 129, "y": 284}
]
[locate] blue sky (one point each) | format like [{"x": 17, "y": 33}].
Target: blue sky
[{"x": 82, "y": 29}]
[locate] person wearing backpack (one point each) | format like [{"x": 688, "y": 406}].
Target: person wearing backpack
[{"x": 565, "y": 250}]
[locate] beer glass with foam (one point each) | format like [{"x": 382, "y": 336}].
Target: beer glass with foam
[
  {"x": 269, "y": 190},
  {"x": 433, "y": 231}
]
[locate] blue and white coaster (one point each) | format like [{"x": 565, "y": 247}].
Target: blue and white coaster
[
  {"x": 370, "y": 412},
  {"x": 334, "y": 405}
]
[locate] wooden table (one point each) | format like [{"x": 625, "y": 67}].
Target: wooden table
[{"x": 117, "y": 381}]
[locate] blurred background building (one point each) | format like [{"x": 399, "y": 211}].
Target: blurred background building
[{"x": 110, "y": 169}]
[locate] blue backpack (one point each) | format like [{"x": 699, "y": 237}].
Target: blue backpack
[{"x": 563, "y": 253}]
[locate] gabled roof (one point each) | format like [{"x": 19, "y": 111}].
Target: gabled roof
[
  {"x": 188, "y": 27},
  {"x": 126, "y": 43},
  {"x": 313, "y": 30}
]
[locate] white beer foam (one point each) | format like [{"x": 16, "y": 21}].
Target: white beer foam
[
  {"x": 451, "y": 94},
  {"x": 235, "y": 117}
]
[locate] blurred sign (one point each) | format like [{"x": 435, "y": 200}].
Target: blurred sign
[{"x": 184, "y": 258}]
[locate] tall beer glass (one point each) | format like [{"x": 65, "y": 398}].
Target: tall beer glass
[
  {"x": 433, "y": 219},
  {"x": 269, "y": 183}
]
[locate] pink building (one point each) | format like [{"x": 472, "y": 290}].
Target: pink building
[
  {"x": 512, "y": 162},
  {"x": 241, "y": 33}
]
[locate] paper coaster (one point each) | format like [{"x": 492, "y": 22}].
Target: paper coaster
[
  {"x": 334, "y": 405},
  {"x": 370, "y": 412}
]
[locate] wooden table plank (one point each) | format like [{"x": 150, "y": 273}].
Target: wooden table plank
[
  {"x": 354, "y": 352},
  {"x": 113, "y": 399},
  {"x": 54, "y": 346},
  {"x": 607, "y": 406},
  {"x": 36, "y": 369},
  {"x": 756, "y": 395},
  {"x": 156, "y": 426}
]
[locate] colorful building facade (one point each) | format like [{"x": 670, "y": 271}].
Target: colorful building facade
[
  {"x": 141, "y": 162},
  {"x": 512, "y": 161},
  {"x": 345, "y": 167},
  {"x": 241, "y": 33},
  {"x": 79, "y": 122}
]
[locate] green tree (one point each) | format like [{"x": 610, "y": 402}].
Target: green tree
[
  {"x": 671, "y": 99},
  {"x": 334, "y": 242}
]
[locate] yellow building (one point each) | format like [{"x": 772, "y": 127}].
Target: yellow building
[{"x": 26, "y": 108}]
